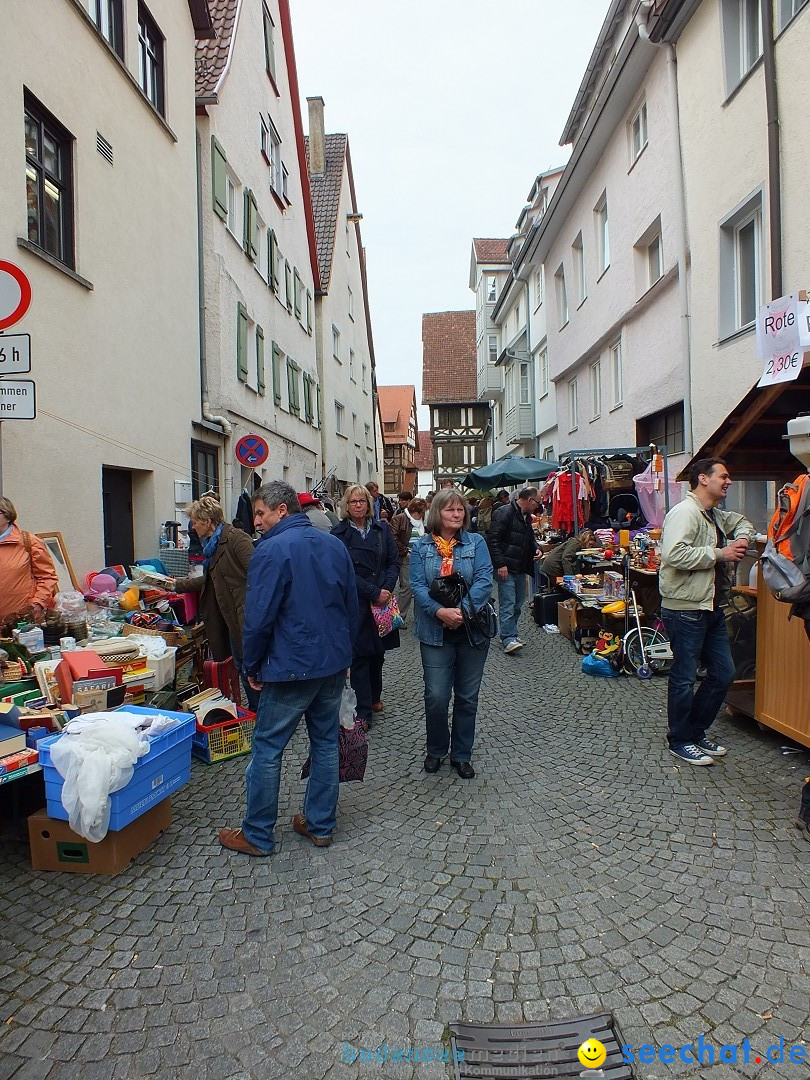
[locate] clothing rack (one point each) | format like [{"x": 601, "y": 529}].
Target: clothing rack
[{"x": 573, "y": 456}]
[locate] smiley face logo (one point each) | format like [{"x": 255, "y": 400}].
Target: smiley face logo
[{"x": 592, "y": 1054}]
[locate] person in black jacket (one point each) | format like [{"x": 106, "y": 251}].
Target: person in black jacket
[
  {"x": 375, "y": 557},
  {"x": 512, "y": 547}
]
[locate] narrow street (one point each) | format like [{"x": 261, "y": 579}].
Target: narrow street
[{"x": 581, "y": 870}]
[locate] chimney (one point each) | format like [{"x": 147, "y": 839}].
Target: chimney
[{"x": 317, "y": 138}]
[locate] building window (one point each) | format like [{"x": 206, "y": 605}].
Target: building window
[
  {"x": 288, "y": 285},
  {"x": 742, "y": 39},
  {"x": 269, "y": 44},
  {"x": 250, "y": 225},
  {"x": 596, "y": 389},
  {"x": 542, "y": 366},
  {"x": 204, "y": 469},
  {"x": 741, "y": 245},
  {"x": 579, "y": 269},
  {"x": 573, "y": 405},
  {"x": 664, "y": 429},
  {"x": 308, "y": 411},
  {"x": 351, "y": 365},
  {"x": 350, "y": 302},
  {"x": 336, "y": 344},
  {"x": 616, "y": 372},
  {"x": 309, "y": 312},
  {"x": 273, "y": 155},
  {"x": 538, "y": 287},
  {"x": 298, "y": 290},
  {"x": 232, "y": 203},
  {"x": 562, "y": 295},
  {"x": 491, "y": 288},
  {"x": 48, "y": 182},
  {"x": 367, "y": 431},
  {"x": 789, "y": 8},
  {"x": 602, "y": 237},
  {"x": 339, "y": 418},
  {"x": 108, "y": 17},
  {"x": 638, "y": 132},
  {"x": 655, "y": 259},
  {"x": 525, "y": 384},
  {"x": 364, "y": 378},
  {"x": 285, "y": 177},
  {"x": 276, "y": 361},
  {"x": 492, "y": 348},
  {"x": 150, "y": 59}
]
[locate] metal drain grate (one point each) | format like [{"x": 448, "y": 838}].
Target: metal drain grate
[{"x": 537, "y": 1051}]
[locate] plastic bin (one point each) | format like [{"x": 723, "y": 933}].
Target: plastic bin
[
  {"x": 163, "y": 667},
  {"x": 222, "y": 741},
  {"x": 158, "y": 774}
]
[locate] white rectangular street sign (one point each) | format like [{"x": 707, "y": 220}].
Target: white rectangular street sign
[
  {"x": 18, "y": 400},
  {"x": 15, "y": 354}
]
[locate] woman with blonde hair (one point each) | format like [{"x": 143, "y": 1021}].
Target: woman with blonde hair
[
  {"x": 222, "y": 586},
  {"x": 28, "y": 578},
  {"x": 375, "y": 557}
]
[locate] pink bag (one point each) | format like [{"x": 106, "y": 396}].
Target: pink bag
[{"x": 387, "y": 617}]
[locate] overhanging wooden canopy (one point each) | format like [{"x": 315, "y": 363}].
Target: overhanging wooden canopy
[{"x": 751, "y": 437}]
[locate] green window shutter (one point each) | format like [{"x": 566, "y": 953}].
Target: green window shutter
[
  {"x": 292, "y": 386},
  {"x": 248, "y": 218},
  {"x": 241, "y": 342},
  {"x": 219, "y": 179},
  {"x": 297, "y": 291},
  {"x": 255, "y": 238},
  {"x": 317, "y": 406},
  {"x": 269, "y": 45},
  {"x": 260, "y": 384},
  {"x": 274, "y": 276},
  {"x": 276, "y": 364},
  {"x": 309, "y": 312},
  {"x": 308, "y": 399},
  {"x": 288, "y": 285}
]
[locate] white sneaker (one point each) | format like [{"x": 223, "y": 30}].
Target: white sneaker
[
  {"x": 713, "y": 749},
  {"x": 513, "y": 646}
]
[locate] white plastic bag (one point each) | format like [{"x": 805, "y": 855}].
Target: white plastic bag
[
  {"x": 348, "y": 703},
  {"x": 95, "y": 762}
]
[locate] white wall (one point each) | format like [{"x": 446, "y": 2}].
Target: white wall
[{"x": 116, "y": 367}]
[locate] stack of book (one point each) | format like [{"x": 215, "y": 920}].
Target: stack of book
[
  {"x": 16, "y": 760},
  {"x": 211, "y": 707}
]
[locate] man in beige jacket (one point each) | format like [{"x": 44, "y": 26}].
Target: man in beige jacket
[{"x": 699, "y": 543}]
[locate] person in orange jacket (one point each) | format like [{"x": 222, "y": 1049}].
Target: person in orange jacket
[{"x": 28, "y": 578}]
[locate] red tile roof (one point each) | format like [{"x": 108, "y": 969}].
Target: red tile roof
[
  {"x": 325, "y": 191},
  {"x": 396, "y": 404},
  {"x": 212, "y": 56},
  {"x": 449, "y": 357},
  {"x": 490, "y": 251},
  {"x": 424, "y": 456}
]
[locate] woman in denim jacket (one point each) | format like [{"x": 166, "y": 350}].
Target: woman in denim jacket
[{"x": 453, "y": 654}]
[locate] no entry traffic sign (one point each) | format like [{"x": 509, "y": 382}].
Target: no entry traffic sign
[
  {"x": 15, "y": 294},
  {"x": 251, "y": 451}
]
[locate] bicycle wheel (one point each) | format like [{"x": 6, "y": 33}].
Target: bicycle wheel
[{"x": 633, "y": 659}]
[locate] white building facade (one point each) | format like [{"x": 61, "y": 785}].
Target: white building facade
[
  {"x": 97, "y": 183},
  {"x": 489, "y": 271}
]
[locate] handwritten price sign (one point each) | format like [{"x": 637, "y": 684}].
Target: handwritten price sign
[
  {"x": 781, "y": 368},
  {"x": 783, "y": 335}
]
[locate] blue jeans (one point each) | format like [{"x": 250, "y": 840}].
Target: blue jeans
[
  {"x": 511, "y": 594},
  {"x": 455, "y": 667},
  {"x": 280, "y": 708},
  {"x": 697, "y": 637}
]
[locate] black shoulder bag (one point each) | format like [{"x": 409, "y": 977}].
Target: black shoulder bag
[{"x": 451, "y": 591}]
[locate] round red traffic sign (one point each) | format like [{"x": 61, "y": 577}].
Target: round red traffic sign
[
  {"x": 251, "y": 451},
  {"x": 15, "y": 294}
]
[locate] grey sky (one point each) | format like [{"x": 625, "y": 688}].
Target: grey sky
[{"x": 452, "y": 107}]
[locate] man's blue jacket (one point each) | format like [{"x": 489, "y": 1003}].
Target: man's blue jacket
[{"x": 301, "y": 604}]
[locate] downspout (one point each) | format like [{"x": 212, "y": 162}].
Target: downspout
[
  {"x": 681, "y": 230},
  {"x": 774, "y": 178},
  {"x": 205, "y": 408}
]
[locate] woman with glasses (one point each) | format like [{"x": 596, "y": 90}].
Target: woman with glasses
[{"x": 374, "y": 554}]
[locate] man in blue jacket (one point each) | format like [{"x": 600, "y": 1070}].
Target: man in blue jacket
[{"x": 300, "y": 620}]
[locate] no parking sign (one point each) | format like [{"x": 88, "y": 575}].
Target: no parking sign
[{"x": 251, "y": 451}]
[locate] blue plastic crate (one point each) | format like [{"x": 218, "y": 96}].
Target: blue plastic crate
[{"x": 158, "y": 774}]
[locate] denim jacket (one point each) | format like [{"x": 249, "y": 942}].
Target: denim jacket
[{"x": 470, "y": 558}]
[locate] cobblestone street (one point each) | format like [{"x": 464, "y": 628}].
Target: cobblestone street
[{"x": 581, "y": 870}]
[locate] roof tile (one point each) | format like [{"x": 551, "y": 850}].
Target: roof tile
[
  {"x": 396, "y": 403},
  {"x": 212, "y": 55},
  {"x": 449, "y": 357},
  {"x": 326, "y": 189},
  {"x": 491, "y": 251}
]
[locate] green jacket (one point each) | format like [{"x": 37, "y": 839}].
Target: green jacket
[{"x": 689, "y": 552}]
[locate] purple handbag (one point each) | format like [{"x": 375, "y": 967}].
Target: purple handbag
[{"x": 352, "y": 754}]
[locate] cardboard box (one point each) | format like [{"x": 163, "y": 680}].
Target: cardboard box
[
  {"x": 54, "y": 845},
  {"x": 571, "y": 614}
]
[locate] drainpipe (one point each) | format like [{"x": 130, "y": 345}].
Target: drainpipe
[
  {"x": 205, "y": 408},
  {"x": 774, "y": 178},
  {"x": 681, "y": 225}
]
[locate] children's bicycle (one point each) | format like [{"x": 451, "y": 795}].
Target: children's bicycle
[{"x": 646, "y": 650}]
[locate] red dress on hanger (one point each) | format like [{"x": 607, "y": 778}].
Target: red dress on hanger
[{"x": 562, "y": 506}]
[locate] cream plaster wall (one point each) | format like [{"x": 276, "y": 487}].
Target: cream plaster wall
[{"x": 116, "y": 368}]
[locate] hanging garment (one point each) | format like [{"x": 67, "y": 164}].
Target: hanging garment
[{"x": 562, "y": 510}]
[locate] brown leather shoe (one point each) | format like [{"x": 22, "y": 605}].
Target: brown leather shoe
[
  {"x": 300, "y": 825},
  {"x": 377, "y": 706},
  {"x": 235, "y": 840}
]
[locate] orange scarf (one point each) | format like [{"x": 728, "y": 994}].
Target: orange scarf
[{"x": 445, "y": 549}]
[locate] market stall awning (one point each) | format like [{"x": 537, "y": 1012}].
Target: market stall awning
[
  {"x": 508, "y": 471},
  {"x": 751, "y": 437}
]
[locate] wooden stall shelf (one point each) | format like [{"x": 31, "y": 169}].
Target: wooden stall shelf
[{"x": 783, "y": 669}]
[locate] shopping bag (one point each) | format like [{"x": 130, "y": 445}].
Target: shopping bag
[
  {"x": 387, "y": 616},
  {"x": 352, "y": 754}
]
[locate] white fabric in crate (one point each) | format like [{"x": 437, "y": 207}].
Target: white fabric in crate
[{"x": 95, "y": 761}]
